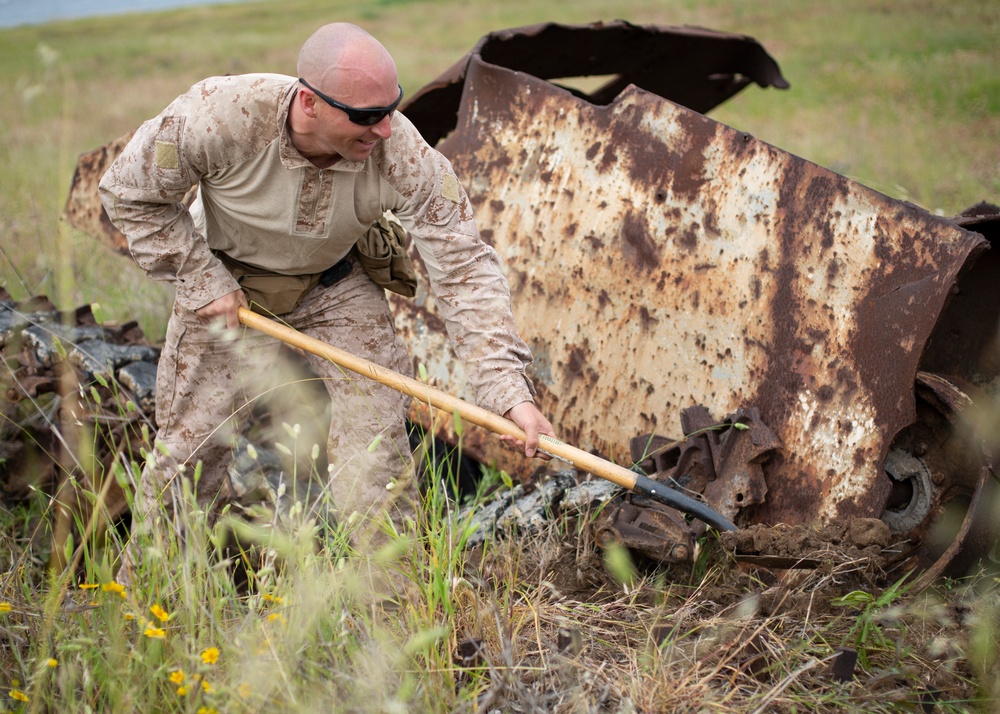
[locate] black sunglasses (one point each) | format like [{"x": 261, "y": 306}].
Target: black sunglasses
[{"x": 364, "y": 117}]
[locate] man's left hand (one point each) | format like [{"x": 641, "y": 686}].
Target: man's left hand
[{"x": 527, "y": 416}]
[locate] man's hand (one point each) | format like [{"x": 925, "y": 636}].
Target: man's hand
[
  {"x": 225, "y": 306},
  {"x": 527, "y": 416}
]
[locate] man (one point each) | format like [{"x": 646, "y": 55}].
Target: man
[{"x": 291, "y": 173}]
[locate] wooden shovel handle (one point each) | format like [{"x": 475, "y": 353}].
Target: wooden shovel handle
[{"x": 438, "y": 399}]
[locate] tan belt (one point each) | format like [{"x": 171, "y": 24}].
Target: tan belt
[
  {"x": 380, "y": 252},
  {"x": 270, "y": 293}
]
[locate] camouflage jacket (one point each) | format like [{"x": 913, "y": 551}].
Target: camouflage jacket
[{"x": 264, "y": 204}]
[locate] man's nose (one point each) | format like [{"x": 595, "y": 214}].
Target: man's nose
[{"x": 383, "y": 129}]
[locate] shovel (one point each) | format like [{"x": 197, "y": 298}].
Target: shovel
[{"x": 629, "y": 480}]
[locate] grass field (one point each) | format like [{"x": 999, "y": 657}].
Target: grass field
[{"x": 901, "y": 96}]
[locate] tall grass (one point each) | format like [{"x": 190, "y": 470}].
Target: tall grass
[{"x": 278, "y": 612}]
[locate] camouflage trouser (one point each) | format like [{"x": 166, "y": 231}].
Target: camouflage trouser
[{"x": 209, "y": 378}]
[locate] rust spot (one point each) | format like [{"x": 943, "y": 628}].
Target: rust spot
[
  {"x": 646, "y": 318},
  {"x": 711, "y": 222},
  {"x": 638, "y": 247},
  {"x": 689, "y": 239}
]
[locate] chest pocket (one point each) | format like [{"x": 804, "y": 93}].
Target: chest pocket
[{"x": 315, "y": 196}]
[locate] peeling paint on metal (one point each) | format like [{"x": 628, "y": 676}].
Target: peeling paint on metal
[{"x": 660, "y": 259}]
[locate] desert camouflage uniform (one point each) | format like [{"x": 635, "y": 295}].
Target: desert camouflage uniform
[{"x": 264, "y": 204}]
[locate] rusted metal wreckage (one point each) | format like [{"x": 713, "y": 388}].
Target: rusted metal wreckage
[{"x": 673, "y": 275}]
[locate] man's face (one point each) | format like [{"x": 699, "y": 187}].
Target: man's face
[{"x": 339, "y": 135}]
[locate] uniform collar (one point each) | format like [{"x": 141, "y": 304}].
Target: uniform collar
[{"x": 290, "y": 156}]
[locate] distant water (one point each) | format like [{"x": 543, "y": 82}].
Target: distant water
[{"x": 35, "y": 12}]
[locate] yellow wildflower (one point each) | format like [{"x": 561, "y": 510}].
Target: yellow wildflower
[
  {"x": 53, "y": 662},
  {"x": 18, "y": 695},
  {"x": 157, "y": 632},
  {"x": 177, "y": 676},
  {"x": 5, "y": 607},
  {"x": 160, "y": 613},
  {"x": 210, "y": 656},
  {"x": 129, "y": 617},
  {"x": 181, "y": 691},
  {"x": 89, "y": 586},
  {"x": 244, "y": 690},
  {"x": 113, "y": 588},
  {"x": 206, "y": 686},
  {"x": 273, "y": 598},
  {"x": 207, "y": 710},
  {"x": 275, "y": 617}
]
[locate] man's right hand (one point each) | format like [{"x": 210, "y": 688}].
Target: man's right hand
[{"x": 225, "y": 306}]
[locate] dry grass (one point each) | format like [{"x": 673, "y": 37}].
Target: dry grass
[{"x": 530, "y": 622}]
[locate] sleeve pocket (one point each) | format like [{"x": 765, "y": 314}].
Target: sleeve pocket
[{"x": 168, "y": 166}]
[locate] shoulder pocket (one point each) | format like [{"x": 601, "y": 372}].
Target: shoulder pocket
[{"x": 168, "y": 165}]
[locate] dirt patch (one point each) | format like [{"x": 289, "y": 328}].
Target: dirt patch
[{"x": 859, "y": 539}]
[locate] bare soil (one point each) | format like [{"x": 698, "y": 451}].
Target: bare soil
[{"x": 857, "y": 539}]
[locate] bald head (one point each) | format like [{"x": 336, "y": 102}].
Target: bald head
[{"x": 340, "y": 56}]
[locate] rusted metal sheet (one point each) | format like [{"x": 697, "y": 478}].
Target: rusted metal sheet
[
  {"x": 695, "y": 67},
  {"x": 84, "y": 209},
  {"x": 657, "y": 531},
  {"x": 721, "y": 460},
  {"x": 660, "y": 259}
]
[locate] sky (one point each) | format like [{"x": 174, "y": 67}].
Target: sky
[{"x": 34, "y": 12}]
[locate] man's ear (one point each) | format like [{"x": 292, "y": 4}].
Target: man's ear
[{"x": 307, "y": 102}]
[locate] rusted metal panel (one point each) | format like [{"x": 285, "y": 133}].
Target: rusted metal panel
[
  {"x": 692, "y": 66},
  {"x": 84, "y": 209},
  {"x": 659, "y": 259},
  {"x": 650, "y": 528},
  {"x": 966, "y": 342}
]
